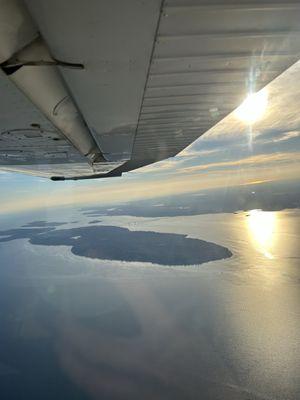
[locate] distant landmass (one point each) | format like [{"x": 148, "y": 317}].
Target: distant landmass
[
  {"x": 40, "y": 224},
  {"x": 115, "y": 243},
  {"x": 270, "y": 196}
]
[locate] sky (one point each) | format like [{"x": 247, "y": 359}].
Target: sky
[{"x": 232, "y": 153}]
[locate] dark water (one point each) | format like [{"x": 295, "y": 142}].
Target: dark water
[{"x": 79, "y": 328}]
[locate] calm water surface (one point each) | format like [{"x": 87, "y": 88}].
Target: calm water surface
[{"x": 77, "y": 328}]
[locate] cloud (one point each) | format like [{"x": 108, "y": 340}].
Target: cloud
[
  {"x": 192, "y": 152},
  {"x": 288, "y": 136},
  {"x": 158, "y": 167},
  {"x": 247, "y": 162}
]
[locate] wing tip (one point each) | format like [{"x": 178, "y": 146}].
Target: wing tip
[
  {"x": 58, "y": 178},
  {"x": 94, "y": 176}
]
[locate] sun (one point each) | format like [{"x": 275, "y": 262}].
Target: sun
[{"x": 253, "y": 107}]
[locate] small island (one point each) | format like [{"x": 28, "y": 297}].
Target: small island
[{"x": 116, "y": 243}]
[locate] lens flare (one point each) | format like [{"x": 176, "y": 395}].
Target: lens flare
[{"x": 253, "y": 107}]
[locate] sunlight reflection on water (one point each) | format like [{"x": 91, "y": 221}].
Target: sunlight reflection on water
[{"x": 261, "y": 227}]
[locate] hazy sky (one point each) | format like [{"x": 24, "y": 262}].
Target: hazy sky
[{"x": 232, "y": 153}]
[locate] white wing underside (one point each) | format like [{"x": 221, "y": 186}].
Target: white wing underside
[{"x": 156, "y": 76}]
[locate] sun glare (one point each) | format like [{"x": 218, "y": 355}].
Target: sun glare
[
  {"x": 261, "y": 225},
  {"x": 253, "y": 107}
]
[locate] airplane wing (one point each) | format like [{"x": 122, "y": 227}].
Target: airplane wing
[{"x": 98, "y": 88}]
